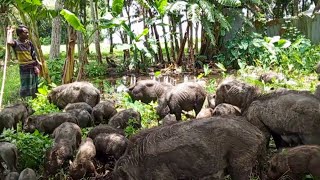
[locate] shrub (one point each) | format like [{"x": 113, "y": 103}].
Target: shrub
[
  {"x": 31, "y": 147},
  {"x": 94, "y": 69},
  {"x": 41, "y": 104},
  {"x": 55, "y": 67}
]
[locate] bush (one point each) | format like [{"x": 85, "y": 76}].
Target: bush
[
  {"x": 55, "y": 67},
  {"x": 94, "y": 69},
  {"x": 31, "y": 147},
  {"x": 41, "y": 104}
]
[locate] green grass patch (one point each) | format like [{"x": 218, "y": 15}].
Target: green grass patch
[{"x": 12, "y": 84}]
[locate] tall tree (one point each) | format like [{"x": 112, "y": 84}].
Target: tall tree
[
  {"x": 56, "y": 32},
  {"x": 94, "y": 18}
]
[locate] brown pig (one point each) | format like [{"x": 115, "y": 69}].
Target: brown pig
[
  {"x": 82, "y": 164},
  {"x": 27, "y": 174},
  {"x": 295, "y": 162}
]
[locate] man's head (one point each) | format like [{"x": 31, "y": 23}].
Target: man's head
[{"x": 22, "y": 32}]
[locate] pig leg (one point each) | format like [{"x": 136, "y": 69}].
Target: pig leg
[
  {"x": 314, "y": 166},
  {"x": 240, "y": 168}
]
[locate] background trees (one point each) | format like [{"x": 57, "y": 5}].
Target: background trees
[{"x": 177, "y": 32}]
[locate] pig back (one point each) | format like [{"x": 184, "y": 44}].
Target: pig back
[{"x": 203, "y": 146}]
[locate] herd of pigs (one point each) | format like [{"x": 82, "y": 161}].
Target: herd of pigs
[{"x": 229, "y": 136}]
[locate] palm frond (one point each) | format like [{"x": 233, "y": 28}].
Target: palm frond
[
  {"x": 207, "y": 10},
  {"x": 194, "y": 13},
  {"x": 207, "y": 26},
  {"x": 222, "y": 20},
  {"x": 144, "y": 3},
  {"x": 177, "y": 6},
  {"x": 232, "y": 3}
]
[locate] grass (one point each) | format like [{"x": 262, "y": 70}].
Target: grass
[{"x": 12, "y": 84}]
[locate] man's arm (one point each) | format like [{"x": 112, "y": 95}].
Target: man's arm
[{"x": 10, "y": 40}]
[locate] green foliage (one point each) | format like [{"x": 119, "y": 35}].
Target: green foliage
[
  {"x": 45, "y": 40},
  {"x": 149, "y": 117},
  {"x": 85, "y": 131},
  {"x": 211, "y": 86},
  {"x": 55, "y": 67},
  {"x": 12, "y": 84},
  {"x": 117, "y": 6},
  {"x": 41, "y": 104},
  {"x": 94, "y": 69},
  {"x": 31, "y": 147},
  {"x": 72, "y": 19},
  {"x": 270, "y": 52},
  {"x": 2, "y": 51},
  {"x": 130, "y": 130}
]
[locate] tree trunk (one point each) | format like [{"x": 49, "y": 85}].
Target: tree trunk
[
  {"x": 111, "y": 30},
  {"x": 160, "y": 55},
  {"x": 97, "y": 32},
  {"x": 165, "y": 42},
  {"x": 4, "y": 20},
  {"x": 68, "y": 67},
  {"x": 197, "y": 39},
  {"x": 190, "y": 44},
  {"x": 181, "y": 50},
  {"x": 56, "y": 32},
  {"x": 172, "y": 39},
  {"x": 295, "y": 7}
]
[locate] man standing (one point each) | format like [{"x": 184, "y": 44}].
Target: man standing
[{"x": 26, "y": 55}]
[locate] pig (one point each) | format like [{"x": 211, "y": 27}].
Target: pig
[
  {"x": 8, "y": 155},
  {"x": 74, "y": 92},
  {"x": 27, "y": 174},
  {"x": 84, "y": 119},
  {"x": 110, "y": 145},
  {"x": 237, "y": 93},
  {"x": 226, "y": 109},
  {"x": 104, "y": 128},
  {"x": 204, "y": 113},
  {"x": 148, "y": 90},
  {"x": 83, "y": 164},
  {"x": 10, "y": 116},
  {"x": 294, "y": 163},
  {"x": 287, "y": 115},
  {"x": 47, "y": 122},
  {"x": 196, "y": 149},
  {"x": 12, "y": 176},
  {"x": 185, "y": 96},
  {"x": 78, "y": 105},
  {"x": 103, "y": 111},
  {"x": 169, "y": 119},
  {"x": 67, "y": 138},
  {"x": 270, "y": 77},
  {"x": 122, "y": 119}
]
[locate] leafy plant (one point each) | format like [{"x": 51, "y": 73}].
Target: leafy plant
[
  {"x": 31, "y": 147},
  {"x": 94, "y": 69},
  {"x": 130, "y": 130},
  {"x": 55, "y": 67},
  {"x": 41, "y": 104},
  {"x": 149, "y": 117}
]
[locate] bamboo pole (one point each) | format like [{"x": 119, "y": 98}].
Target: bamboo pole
[{"x": 4, "y": 74}]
